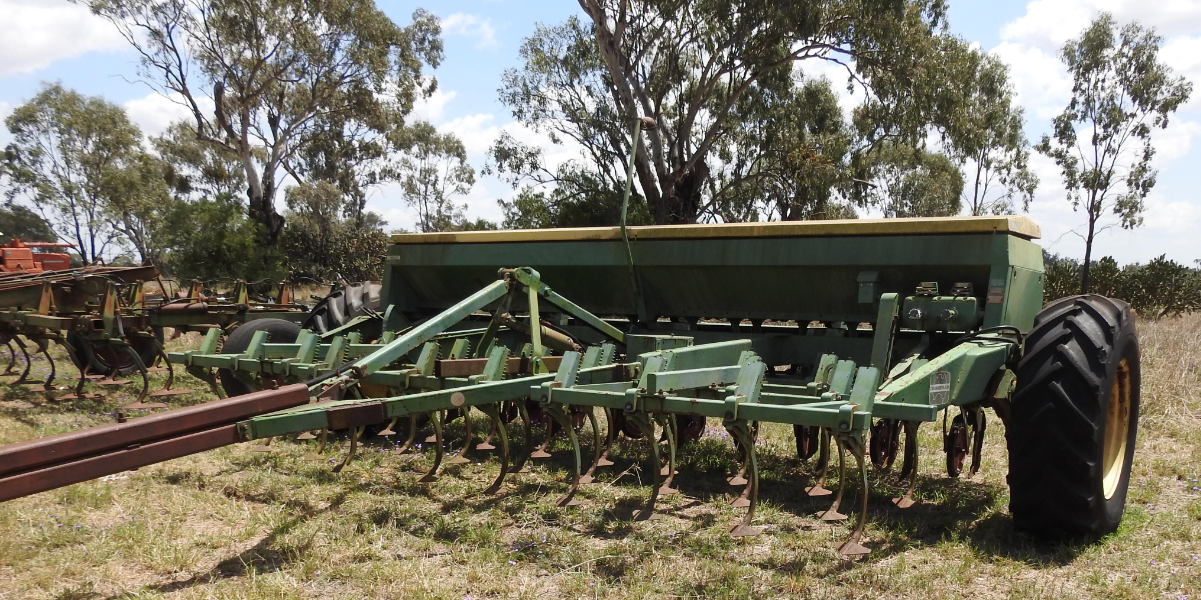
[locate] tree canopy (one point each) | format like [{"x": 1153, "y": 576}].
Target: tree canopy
[
  {"x": 311, "y": 90},
  {"x": 741, "y": 133},
  {"x": 1101, "y": 143}
]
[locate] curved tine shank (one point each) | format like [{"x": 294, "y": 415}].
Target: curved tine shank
[
  {"x": 408, "y": 443},
  {"x": 750, "y": 495},
  {"x": 740, "y": 477},
  {"x": 355, "y": 434},
  {"x": 560, "y": 416},
  {"x": 28, "y": 362},
  {"x": 161, "y": 358},
  {"x": 909, "y": 466},
  {"x": 493, "y": 411},
  {"x": 527, "y": 441},
  {"x": 433, "y": 437},
  {"x": 432, "y": 475},
  {"x": 852, "y": 547},
  {"x": 644, "y": 425},
  {"x": 981, "y": 423},
  {"x": 461, "y": 457},
  {"x": 823, "y": 465},
  {"x": 12, "y": 358},
  {"x": 832, "y": 513},
  {"x": 137, "y": 361},
  {"x": 541, "y": 452},
  {"x": 390, "y": 428},
  {"x": 49, "y": 385},
  {"x": 596, "y": 446},
  {"x": 492, "y": 431},
  {"x": 669, "y": 431},
  {"x": 610, "y": 435}
]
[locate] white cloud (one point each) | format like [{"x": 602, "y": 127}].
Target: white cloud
[
  {"x": 153, "y": 113},
  {"x": 1039, "y": 79},
  {"x": 471, "y": 26},
  {"x": 1049, "y": 23},
  {"x": 35, "y": 33},
  {"x": 433, "y": 108}
]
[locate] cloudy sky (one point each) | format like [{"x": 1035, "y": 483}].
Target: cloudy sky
[{"x": 53, "y": 40}]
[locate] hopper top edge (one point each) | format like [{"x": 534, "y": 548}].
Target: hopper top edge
[{"x": 1016, "y": 225}]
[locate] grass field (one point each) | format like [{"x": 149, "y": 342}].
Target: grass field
[{"x": 233, "y": 523}]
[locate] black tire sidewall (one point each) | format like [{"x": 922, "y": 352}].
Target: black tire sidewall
[
  {"x": 1125, "y": 347},
  {"x": 279, "y": 331}
]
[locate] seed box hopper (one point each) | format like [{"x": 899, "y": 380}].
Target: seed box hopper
[{"x": 854, "y": 332}]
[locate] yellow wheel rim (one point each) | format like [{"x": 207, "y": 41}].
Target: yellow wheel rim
[{"x": 1117, "y": 429}]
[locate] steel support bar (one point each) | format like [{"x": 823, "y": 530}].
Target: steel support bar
[
  {"x": 82, "y": 443},
  {"x": 115, "y": 461},
  {"x": 958, "y": 376},
  {"x": 426, "y": 331}
]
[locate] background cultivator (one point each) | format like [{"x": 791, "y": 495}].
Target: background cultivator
[{"x": 856, "y": 333}]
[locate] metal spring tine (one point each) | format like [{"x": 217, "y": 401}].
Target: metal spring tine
[
  {"x": 981, "y": 423},
  {"x": 432, "y": 475},
  {"x": 138, "y": 404},
  {"x": 263, "y": 447},
  {"x": 750, "y": 495},
  {"x": 740, "y": 477},
  {"x": 559, "y": 415},
  {"x": 433, "y": 437},
  {"x": 12, "y": 358},
  {"x": 28, "y": 362},
  {"x": 551, "y": 425},
  {"x": 322, "y": 442},
  {"x": 647, "y": 512},
  {"x": 823, "y": 465},
  {"x": 852, "y": 547},
  {"x": 161, "y": 357},
  {"x": 668, "y": 422},
  {"x": 355, "y": 434},
  {"x": 492, "y": 431},
  {"x": 493, "y": 411},
  {"x": 49, "y": 385},
  {"x": 832, "y": 513},
  {"x": 389, "y": 429},
  {"x": 909, "y": 466},
  {"x": 412, "y": 435},
  {"x": 587, "y": 477},
  {"x": 77, "y": 393},
  {"x": 461, "y": 457},
  {"x": 610, "y": 436},
  {"x": 527, "y": 442}
]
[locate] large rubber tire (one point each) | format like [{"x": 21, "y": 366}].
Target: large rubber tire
[
  {"x": 278, "y": 331},
  {"x": 343, "y": 304},
  {"x": 107, "y": 360},
  {"x": 1072, "y": 432}
]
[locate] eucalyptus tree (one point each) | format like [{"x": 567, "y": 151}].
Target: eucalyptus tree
[
  {"x": 267, "y": 81},
  {"x": 1101, "y": 143},
  {"x": 79, "y": 161},
  {"x": 432, "y": 173},
  {"x": 708, "y": 72}
]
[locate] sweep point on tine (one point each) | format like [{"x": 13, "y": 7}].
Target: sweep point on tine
[
  {"x": 853, "y": 548},
  {"x": 744, "y": 530}
]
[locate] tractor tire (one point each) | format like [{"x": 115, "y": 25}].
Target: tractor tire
[
  {"x": 343, "y": 304},
  {"x": 1075, "y": 415},
  {"x": 106, "y": 360},
  {"x": 278, "y": 331}
]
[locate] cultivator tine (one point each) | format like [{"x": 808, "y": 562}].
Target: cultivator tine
[
  {"x": 852, "y": 547},
  {"x": 138, "y": 404},
  {"x": 432, "y": 475},
  {"x": 823, "y": 466},
  {"x": 389, "y": 429},
  {"x": 527, "y": 442},
  {"x": 909, "y": 466},
  {"x": 647, "y": 512},
  {"x": 408, "y": 443},
  {"x": 77, "y": 393},
  {"x": 981, "y": 423},
  {"x": 750, "y": 495},
  {"x": 461, "y": 457},
  {"x": 263, "y": 447},
  {"x": 541, "y": 452},
  {"x": 355, "y": 434},
  {"x": 28, "y": 363},
  {"x": 610, "y": 436},
  {"x": 557, "y": 413},
  {"x": 166, "y": 389},
  {"x": 739, "y": 478},
  {"x": 492, "y": 429},
  {"x": 832, "y": 514},
  {"x": 587, "y": 477},
  {"x": 493, "y": 412},
  {"x": 43, "y": 347},
  {"x": 12, "y": 358},
  {"x": 669, "y": 430},
  {"x": 433, "y": 437}
]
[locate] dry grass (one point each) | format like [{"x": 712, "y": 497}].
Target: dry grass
[{"x": 237, "y": 524}]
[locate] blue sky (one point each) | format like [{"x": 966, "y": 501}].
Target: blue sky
[{"x": 53, "y": 40}]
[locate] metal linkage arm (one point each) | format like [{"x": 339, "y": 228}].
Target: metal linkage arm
[
  {"x": 958, "y": 376},
  {"x": 530, "y": 278}
]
